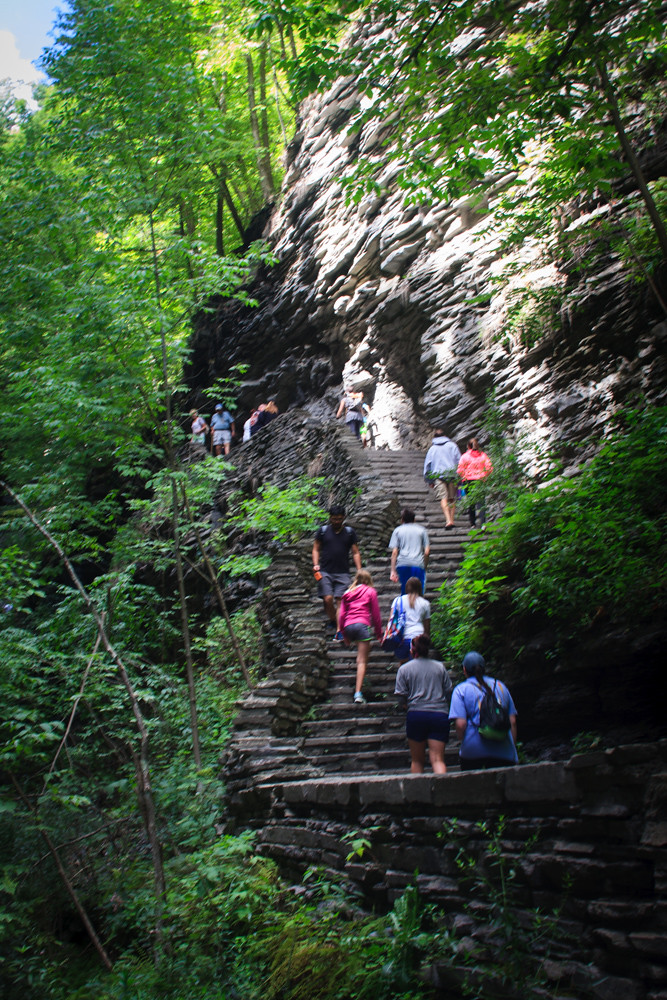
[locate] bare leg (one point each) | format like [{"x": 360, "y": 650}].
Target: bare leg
[
  {"x": 436, "y": 755},
  {"x": 417, "y": 756},
  {"x": 447, "y": 510},
  {"x": 228, "y": 448},
  {"x": 330, "y": 607},
  {"x": 363, "y": 651}
]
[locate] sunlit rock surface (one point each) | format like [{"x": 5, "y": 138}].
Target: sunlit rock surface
[{"x": 402, "y": 301}]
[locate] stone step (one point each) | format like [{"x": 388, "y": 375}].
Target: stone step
[
  {"x": 373, "y": 763},
  {"x": 339, "y": 738},
  {"x": 352, "y": 711},
  {"x": 344, "y": 726},
  {"x": 355, "y": 743}
]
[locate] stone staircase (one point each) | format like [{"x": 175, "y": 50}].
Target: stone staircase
[
  {"x": 345, "y": 738},
  {"x": 328, "y": 734}
]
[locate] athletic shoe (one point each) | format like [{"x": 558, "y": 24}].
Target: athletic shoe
[
  {"x": 338, "y": 637},
  {"x": 359, "y": 698}
]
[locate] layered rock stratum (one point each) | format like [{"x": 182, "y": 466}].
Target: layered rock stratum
[{"x": 403, "y": 301}]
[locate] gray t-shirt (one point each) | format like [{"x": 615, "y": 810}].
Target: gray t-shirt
[
  {"x": 425, "y": 685},
  {"x": 410, "y": 540}
]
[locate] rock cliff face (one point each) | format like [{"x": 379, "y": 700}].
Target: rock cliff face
[{"x": 401, "y": 301}]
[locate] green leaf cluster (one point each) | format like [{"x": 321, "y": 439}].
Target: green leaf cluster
[
  {"x": 286, "y": 514},
  {"x": 573, "y": 553}
]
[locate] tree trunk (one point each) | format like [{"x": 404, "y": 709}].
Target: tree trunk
[
  {"x": 219, "y": 240},
  {"x": 292, "y": 43},
  {"x": 171, "y": 461},
  {"x": 264, "y": 117},
  {"x": 263, "y": 163},
  {"x": 213, "y": 577},
  {"x": 71, "y": 891},
  {"x": 633, "y": 162},
  {"x": 185, "y": 628},
  {"x": 142, "y": 766},
  {"x": 229, "y": 201}
]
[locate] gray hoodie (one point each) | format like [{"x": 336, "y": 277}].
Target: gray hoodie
[{"x": 442, "y": 456}]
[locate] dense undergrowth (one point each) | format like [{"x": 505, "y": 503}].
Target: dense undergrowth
[{"x": 576, "y": 554}]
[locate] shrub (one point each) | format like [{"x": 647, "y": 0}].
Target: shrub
[{"x": 574, "y": 553}]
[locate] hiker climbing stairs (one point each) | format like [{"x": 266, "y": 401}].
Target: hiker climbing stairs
[
  {"x": 343, "y": 737},
  {"x": 334, "y": 735}
]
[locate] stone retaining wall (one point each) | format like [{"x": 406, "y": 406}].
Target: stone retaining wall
[{"x": 599, "y": 857}]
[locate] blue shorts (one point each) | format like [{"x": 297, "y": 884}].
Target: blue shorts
[
  {"x": 403, "y": 650},
  {"x": 422, "y": 726},
  {"x": 358, "y": 632},
  {"x": 405, "y": 572}
]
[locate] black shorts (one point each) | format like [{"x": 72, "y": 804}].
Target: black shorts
[{"x": 422, "y": 726}]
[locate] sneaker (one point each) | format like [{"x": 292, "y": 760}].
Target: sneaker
[
  {"x": 338, "y": 637},
  {"x": 359, "y": 698}
]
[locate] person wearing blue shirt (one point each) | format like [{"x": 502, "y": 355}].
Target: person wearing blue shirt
[
  {"x": 222, "y": 430},
  {"x": 476, "y": 751}
]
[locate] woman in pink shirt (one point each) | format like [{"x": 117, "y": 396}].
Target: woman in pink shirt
[
  {"x": 359, "y": 618},
  {"x": 474, "y": 465}
]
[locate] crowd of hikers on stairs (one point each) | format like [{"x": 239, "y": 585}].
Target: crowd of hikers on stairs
[{"x": 481, "y": 707}]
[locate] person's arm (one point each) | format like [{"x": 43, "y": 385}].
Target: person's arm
[
  {"x": 356, "y": 555},
  {"x": 461, "y": 726},
  {"x": 339, "y": 412},
  {"x": 342, "y": 615},
  {"x": 316, "y": 556},
  {"x": 233, "y": 429},
  {"x": 401, "y": 689},
  {"x": 393, "y": 575},
  {"x": 427, "y": 628},
  {"x": 427, "y": 553},
  {"x": 513, "y": 727}
]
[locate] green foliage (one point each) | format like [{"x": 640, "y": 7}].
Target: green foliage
[
  {"x": 507, "y": 949},
  {"x": 575, "y": 552},
  {"x": 224, "y": 389},
  {"x": 287, "y": 514},
  {"x": 220, "y": 654},
  {"x": 585, "y": 741},
  {"x": 490, "y": 96},
  {"x": 532, "y": 313}
]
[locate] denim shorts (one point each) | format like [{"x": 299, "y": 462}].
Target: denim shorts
[
  {"x": 358, "y": 632},
  {"x": 422, "y": 726}
]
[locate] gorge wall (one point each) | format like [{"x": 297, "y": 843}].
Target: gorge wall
[{"x": 401, "y": 300}]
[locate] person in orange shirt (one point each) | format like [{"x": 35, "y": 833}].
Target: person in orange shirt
[{"x": 475, "y": 464}]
